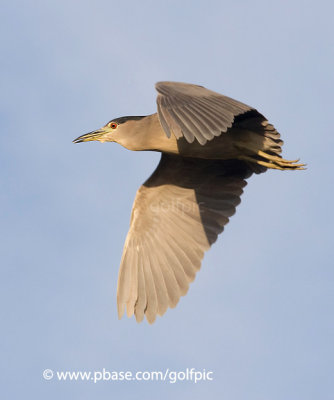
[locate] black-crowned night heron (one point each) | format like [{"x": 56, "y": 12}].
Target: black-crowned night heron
[{"x": 210, "y": 144}]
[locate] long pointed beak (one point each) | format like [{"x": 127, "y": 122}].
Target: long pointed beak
[{"x": 88, "y": 137}]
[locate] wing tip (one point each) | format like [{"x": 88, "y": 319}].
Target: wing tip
[
  {"x": 150, "y": 318},
  {"x": 120, "y": 309}
]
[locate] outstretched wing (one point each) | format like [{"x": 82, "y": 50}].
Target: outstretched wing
[
  {"x": 177, "y": 214},
  {"x": 195, "y": 112}
]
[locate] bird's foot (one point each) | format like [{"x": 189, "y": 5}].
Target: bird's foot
[{"x": 270, "y": 161}]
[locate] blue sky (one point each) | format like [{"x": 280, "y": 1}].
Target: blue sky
[{"x": 259, "y": 314}]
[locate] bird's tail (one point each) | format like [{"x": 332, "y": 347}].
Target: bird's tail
[{"x": 260, "y": 145}]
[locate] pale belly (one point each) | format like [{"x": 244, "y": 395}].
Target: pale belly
[{"x": 223, "y": 147}]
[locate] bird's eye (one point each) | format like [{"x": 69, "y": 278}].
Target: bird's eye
[{"x": 113, "y": 125}]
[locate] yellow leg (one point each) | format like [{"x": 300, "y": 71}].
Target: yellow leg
[
  {"x": 269, "y": 161},
  {"x": 270, "y": 164},
  {"x": 276, "y": 158}
]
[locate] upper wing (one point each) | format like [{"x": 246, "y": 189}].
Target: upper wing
[
  {"x": 177, "y": 214},
  {"x": 195, "y": 112}
]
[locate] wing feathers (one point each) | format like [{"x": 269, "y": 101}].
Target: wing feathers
[
  {"x": 141, "y": 302},
  {"x": 172, "y": 286},
  {"x": 195, "y": 112},
  {"x": 152, "y": 301},
  {"x": 159, "y": 284},
  {"x": 177, "y": 214}
]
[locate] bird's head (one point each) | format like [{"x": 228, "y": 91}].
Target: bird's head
[{"x": 113, "y": 131}]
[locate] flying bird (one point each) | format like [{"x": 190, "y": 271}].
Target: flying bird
[{"x": 209, "y": 144}]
